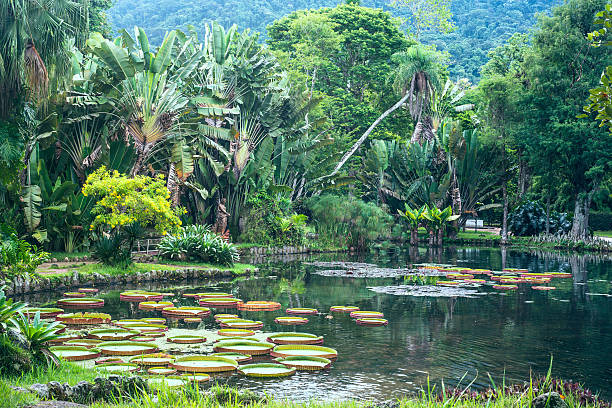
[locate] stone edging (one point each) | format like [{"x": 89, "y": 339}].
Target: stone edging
[
  {"x": 283, "y": 250},
  {"x": 24, "y": 285}
]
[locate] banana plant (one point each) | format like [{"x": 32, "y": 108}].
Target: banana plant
[
  {"x": 413, "y": 217},
  {"x": 437, "y": 220}
]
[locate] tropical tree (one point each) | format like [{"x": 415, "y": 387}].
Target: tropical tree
[
  {"x": 413, "y": 217},
  {"x": 437, "y": 220}
]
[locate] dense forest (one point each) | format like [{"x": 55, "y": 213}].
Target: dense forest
[{"x": 481, "y": 25}]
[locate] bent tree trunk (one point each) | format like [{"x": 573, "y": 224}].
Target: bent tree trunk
[{"x": 580, "y": 224}]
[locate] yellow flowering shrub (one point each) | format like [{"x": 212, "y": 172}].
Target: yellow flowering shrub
[{"x": 122, "y": 201}]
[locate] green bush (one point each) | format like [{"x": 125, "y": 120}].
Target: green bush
[
  {"x": 348, "y": 221},
  {"x": 116, "y": 248},
  {"x": 271, "y": 221},
  {"x": 529, "y": 219},
  {"x": 198, "y": 243},
  {"x": 600, "y": 221},
  {"x": 18, "y": 257}
]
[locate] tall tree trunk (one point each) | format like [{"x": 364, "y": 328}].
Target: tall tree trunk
[
  {"x": 548, "y": 214},
  {"x": 580, "y": 224},
  {"x": 363, "y": 137},
  {"x": 414, "y": 237},
  {"x": 504, "y": 231},
  {"x": 523, "y": 178},
  {"x": 430, "y": 242},
  {"x": 440, "y": 236}
]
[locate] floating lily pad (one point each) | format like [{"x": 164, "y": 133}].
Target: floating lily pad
[
  {"x": 359, "y": 270},
  {"x": 112, "y": 334},
  {"x": 235, "y": 332},
  {"x": 154, "y": 320},
  {"x": 154, "y": 305},
  {"x": 343, "y": 309},
  {"x": 371, "y": 321},
  {"x": 83, "y": 318},
  {"x": 118, "y": 367},
  {"x": 81, "y": 303},
  {"x": 193, "y": 319},
  {"x": 75, "y": 353},
  {"x": 304, "y": 350},
  {"x": 204, "y": 364},
  {"x": 366, "y": 313},
  {"x": 295, "y": 338},
  {"x": 89, "y": 343},
  {"x": 220, "y": 302},
  {"x": 291, "y": 320},
  {"x": 244, "y": 347},
  {"x": 156, "y": 359},
  {"x": 171, "y": 381},
  {"x": 241, "y": 324},
  {"x": 505, "y": 287},
  {"x": 45, "y": 312},
  {"x": 239, "y": 357},
  {"x": 87, "y": 290},
  {"x": 543, "y": 288},
  {"x": 105, "y": 360},
  {"x": 75, "y": 295},
  {"x": 144, "y": 339},
  {"x": 428, "y": 290},
  {"x": 213, "y": 295},
  {"x": 140, "y": 296},
  {"x": 265, "y": 370},
  {"x": 301, "y": 311},
  {"x": 305, "y": 363},
  {"x": 187, "y": 339},
  {"x": 259, "y": 306},
  {"x": 125, "y": 348},
  {"x": 199, "y": 378},
  {"x": 186, "y": 311},
  {"x": 145, "y": 327},
  {"x": 222, "y": 316},
  {"x": 239, "y": 338},
  {"x": 161, "y": 371},
  {"x": 65, "y": 337}
]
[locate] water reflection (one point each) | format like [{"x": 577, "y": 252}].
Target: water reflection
[{"x": 445, "y": 338}]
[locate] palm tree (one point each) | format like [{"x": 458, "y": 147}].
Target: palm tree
[
  {"x": 33, "y": 36},
  {"x": 417, "y": 75}
]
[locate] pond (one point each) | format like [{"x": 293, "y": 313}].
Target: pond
[{"x": 495, "y": 332}]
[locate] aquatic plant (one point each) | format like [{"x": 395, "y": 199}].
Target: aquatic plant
[{"x": 266, "y": 370}]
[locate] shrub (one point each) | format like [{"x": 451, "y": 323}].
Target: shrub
[
  {"x": 600, "y": 221},
  {"x": 271, "y": 221},
  {"x": 196, "y": 242},
  {"x": 18, "y": 257},
  {"x": 529, "y": 219},
  {"x": 348, "y": 221}
]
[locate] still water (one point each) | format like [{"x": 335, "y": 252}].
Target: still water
[{"x": 499, "y": 333}]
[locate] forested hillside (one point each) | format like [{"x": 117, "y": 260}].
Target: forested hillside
[{"x": 481, "y": 24}]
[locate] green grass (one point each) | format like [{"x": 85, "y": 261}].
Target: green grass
[
  {"x": 478, "y": 235},
  {"x": 67, "y": 372},
  {"x": 238, "y": 268},
  {"x": 13, "y": 399},
  {"x": 60, "y": 256},
  {"x": 607, "y": 234}
]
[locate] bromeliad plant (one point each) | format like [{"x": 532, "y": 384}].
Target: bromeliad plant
[
  {"x": 414, "y": 218},
  {"x": 38, "y": 334}
]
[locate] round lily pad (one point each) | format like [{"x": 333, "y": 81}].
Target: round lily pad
[
  {"x": 304, "y": 350},
  {"x": 305, "y": 363},
  {"x": 239, "y": 357},
  {"x": 45, "y": 312},
  {"x": 239, "y": 338},
  {"x": 295, "y": 338},
  {"x": 259, "y": 306},
  {"x": 154, "y": 320},
  {"x": 65, "y": 337},
  {"x": 83, "y": 318},
  {"x": 81, "y": 303},
  {"x": 144, "y": 339},
  {"x": 266, "y": 370},
  {"x": 161, "y": 371},
  {"x": 220, "y": 302},
  {"x": 89, "y": 343},
  {"x": 75, "y": 353},
  {"x": 213, "y": 295},
  {"x": 125, "y": 348},
  {"x": 343, "y": 309},
  {"x": 112, "y": 334},
  {"x": 222, "y": 316},
  {"x": 140, "y": 296},
  {"x": 105, "y": 360},
  {"x": 145, "y": 327},
  {"x": 199, "y": 378},
  {"x": 371, "y": 321},
  {"x": 241, "y": 324},
  {"x": 118, "y": 367},
  {"x": 87, "y": 290},
  {"x": 186, "y": 311},
  {"x": 75, "y": 295},
  {"x": 301, "y": 311},
  {"x": 171, "y": 381},
  {"x": 291, "y": 320},
  {"x": 505, "y": 287},
  {"x": 154, "y": 305},
  {"x": 204, "y": 364},
  {"x": 156, "y": 359},
  {"x": 235, "y": 332},
  {"x": 187, "y": 339},
  {"x": 543, "y": 288},
  {"x": 243, "y": 347},
  {"x": 366, "y": 313}
]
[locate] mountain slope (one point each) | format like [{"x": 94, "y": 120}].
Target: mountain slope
[{"x": 481, "y": 24}]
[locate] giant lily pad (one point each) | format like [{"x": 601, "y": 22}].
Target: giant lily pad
[
  {"x": 171, "y": 381},
  {"x": 156, "y": 359},
  {"x": 75, "y": 353},
  {"x": 305, "y": 363},
  {"x": 125, "y": 348},
  {"x": 343, "y": 309},
  {"x": 186, "y": 311},
  {"x": 304, "y": 350},
  {"x": 213, "y": 295},
  {"x": 301, "y": 311},
  {"x": 140, "y": 296},
  {"x": 118, "y": 367},
  {"x": 45, "y": 312},
  {"x": 291, "y": 320},
  {"x": 198, "y": 378},
  {"x": 225, "y": 316},
  {"x": 241, "y": 324},
  {"x": 112, "y": 334},
  {"x": 220, "y": 302},
  {"x": 145, "y": 327},
  {"x": 239, "y": 357},
  {"x": 295, "y": 338},
  {"x": 75, "y": 295},
  {"x": 83, "y": 318},
  {"x": 266, "y": 370},
  {"x": 154, "y": 305},
  {"x": 458, "y": 290},
  {"x": 89, "y": 343},
  {"x": 187, "y": 339},
  {"x": 259, "y": 306},
  {"x": 371, "y": 321},
  {"x": 204, "y": 364},
  {"x": 161, "y": 371},
  {"x": 81, "y": 303},
  {"x": 366, "y": 313},
  {"x": 244, "y": 347},
  {"x": 235, "y": 332}
]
